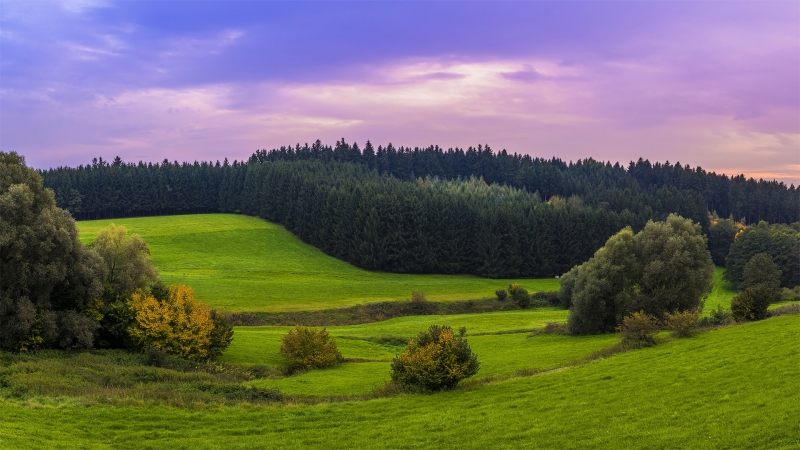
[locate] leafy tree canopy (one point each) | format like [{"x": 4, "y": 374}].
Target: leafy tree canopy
[
  {"x": 48, "y": 279},
  {"x": 664, "y": 268}
]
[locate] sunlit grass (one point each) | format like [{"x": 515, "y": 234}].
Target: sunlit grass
[
  {"x": 734, "y": 387},
  {"x": 240, "y": 263}
]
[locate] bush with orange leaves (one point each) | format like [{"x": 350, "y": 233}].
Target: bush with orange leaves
[
  {"x": 437, "y": 359},
  {"x": 178, "y": 325}
]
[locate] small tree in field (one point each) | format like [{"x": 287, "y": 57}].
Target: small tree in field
[
  {"x": 178, "y": 325},
  {"x": 520, "y": 295},
  {"x": 437, "y": 359},
  {"x": 752, "y": 304},
  {"x": 639, "y": 329},
  {"x": 309, "y": 348},
  {"x": 682, "y": 323}
]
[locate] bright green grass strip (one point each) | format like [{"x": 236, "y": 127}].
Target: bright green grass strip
[
  {"x": 260, "y": 345},
  {"x": 721, "y": 294},
  {"x": 239, "y": 263},
  {"x": 735, "y": 387},
  {"x": 498, "y": 354}
]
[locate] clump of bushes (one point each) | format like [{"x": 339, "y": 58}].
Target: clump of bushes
[
  {"x": 178, "y": 324},
  {"x": 436, "y": 359},
  {"x": 682, "y": 323},
  {"x": 420, "y": 303},
  {"x": 501, "y": 294},
  {"x": 519, "y": 295},
  {"x": 717, "y": 317},
  {"x": 309, "y": 348},
  {"x": 552, "y": 328},
  {"x": 545, "y": 298},
  {"x": 790, "y": 294},
  {"x": 665, "y": 267},
  {"x": 639, "y": 329},
  {"x": 752, "y": 304},
  {"x": 784, "y": 310}
]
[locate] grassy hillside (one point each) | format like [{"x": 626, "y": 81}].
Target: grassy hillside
[
  {"x": 499, "y": 353},
  {"x": 735, "y": 387},
  {"x": 239, "y": 263}
]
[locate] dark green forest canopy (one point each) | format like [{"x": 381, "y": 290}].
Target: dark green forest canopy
[
  {"x": 423, "y": 210},
  {"x": 104, "y": 189}
]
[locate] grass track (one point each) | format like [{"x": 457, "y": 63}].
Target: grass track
[
  {"x": 735, "y": 387},
  {"x": 239, "y": 263}
]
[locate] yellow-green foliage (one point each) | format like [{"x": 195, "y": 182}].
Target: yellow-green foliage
[
  {"x": 179, "y": 325},
  {"x": 436, "y": 359},
  {"x": 682, "y": 323},
  {"x": 310, "y": 348},
  {"x": 639, "y": 328}
]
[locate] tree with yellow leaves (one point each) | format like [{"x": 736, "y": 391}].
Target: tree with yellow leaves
[
  {"x": 178, "y": 325},
  {"x": 436, "y": 359}
]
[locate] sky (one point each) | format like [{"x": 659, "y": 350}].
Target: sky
[{"x": 713, "y": 84}]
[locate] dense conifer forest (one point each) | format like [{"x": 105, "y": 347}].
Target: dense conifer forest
[{"x": 427, "y": 210}]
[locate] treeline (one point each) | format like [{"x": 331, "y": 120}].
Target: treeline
[
  {"x": 404, "y": 210},
  {"x": 379, "y": 222},
  {"x": 115, "y": 189},
  {"x": 747, "y": 200}
]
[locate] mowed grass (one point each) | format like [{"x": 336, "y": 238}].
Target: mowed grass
[
  {"x": 721, "y": 294},
  {"x": 260, "y": 345},
  {"x": 735, "y": 387},
  {"x": 499, "y": 354},
  {"x": 239, "y": 263}
]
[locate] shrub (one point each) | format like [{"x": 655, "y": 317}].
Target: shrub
[
  {"x": 545, "y": 298},
  {"x": 790, "y": 294},
  {"x": 784, "y": 310},
  {"x": 420, "y": 303},
  {"x": 519, "y": 295},
  {"x": 221, "y": 335},
  {"x": 309, "y": 348},
  {"x": 682, "y": 323},
  {"x": 179, "y": 325},
  {"x": 501, "y": 294},
  {"x": 552, "y": 328},
  {"x": 437, "y": 359},
  {"x": 717, "y": 317},
  {"x": 639, "y": 329},
  {"x": 752, "y": 304},
  {"x": 566, "y": 286}
]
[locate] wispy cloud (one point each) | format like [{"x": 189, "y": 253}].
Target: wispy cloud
[{"x": 716, "y": 85}]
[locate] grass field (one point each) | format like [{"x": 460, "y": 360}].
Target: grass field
[
  {"x": 238, "y": 263},
  {"x": 721, "y": 294},
  {"x": 260, "y": 345},
  {"x": 500, "y": 354},
  {"x": 735, "y": 387}
]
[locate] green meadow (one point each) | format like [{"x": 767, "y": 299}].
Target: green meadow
[
  {"x": 733, "y": 387},
  {"x": 502, "y": 341},
  {"x": 239, "y": 263},
  {"x": 721, "y": 293}
]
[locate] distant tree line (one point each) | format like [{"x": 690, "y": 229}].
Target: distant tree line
[
  {"x": 381, "y": 222},
  {"x": 106, "y": 189},
  {"x": 422, "y": 210}
]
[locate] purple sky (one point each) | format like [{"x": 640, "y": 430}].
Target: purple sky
[{"x": 714, "y": 84}]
